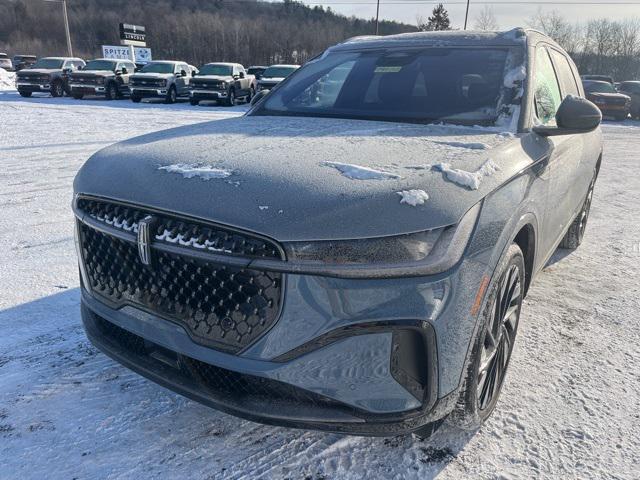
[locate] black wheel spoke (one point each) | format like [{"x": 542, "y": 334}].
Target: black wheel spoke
[{"x": 499, "y": 336}]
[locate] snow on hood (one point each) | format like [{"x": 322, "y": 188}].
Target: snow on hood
[
  {"x": 150, "y": 75},
  {"x": 281, "y": 162}
]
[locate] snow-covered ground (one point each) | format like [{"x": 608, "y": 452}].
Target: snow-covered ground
[{"x": 570, "y": 408}]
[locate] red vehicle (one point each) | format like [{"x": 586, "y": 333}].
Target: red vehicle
[{"x": 609, "y": 101}]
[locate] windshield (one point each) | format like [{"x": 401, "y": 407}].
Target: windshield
[
  {"x": 48, "y": 63},
  {"x": 157, "y": 68},
  {"x": 278, "y": 72},
  {"x": 453, "y": 84},
  {"x": 100, "y": 65},
  {"x": 599, "y": 87},
  {"x": 220, "y": 70}
]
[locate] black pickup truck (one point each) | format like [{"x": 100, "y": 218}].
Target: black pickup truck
[
  {"x": 48, "y": 74},
  {"x": 222, "y": 82},
  {"x": 102, "y": 76}
]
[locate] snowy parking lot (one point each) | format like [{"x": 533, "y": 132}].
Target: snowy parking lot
[{"x": 570, "y": 407}]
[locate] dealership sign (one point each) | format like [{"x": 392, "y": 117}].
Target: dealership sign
[
  {"x": 118, "y": 52},
  {"x": 133, "y": 35}
]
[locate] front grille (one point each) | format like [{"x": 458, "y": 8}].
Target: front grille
[
  {"x": 220, "y": 306},
  {"x": 218, "y": 382},
  {"x": 213, "y": 84},
  {"x": 137, "y": 82},
  {"x": 33, "y": 78},
  {"x": 85, "y": 80}
]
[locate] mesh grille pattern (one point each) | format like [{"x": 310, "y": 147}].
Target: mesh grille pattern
[
  {"x": 178, "y": 231},
  {"x": 220, "y": 306}
]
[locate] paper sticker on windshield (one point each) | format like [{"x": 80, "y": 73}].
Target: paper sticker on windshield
[{"x": 388, "y": 69}]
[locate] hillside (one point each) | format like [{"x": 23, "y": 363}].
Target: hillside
[{"x": 247, "y": 31}]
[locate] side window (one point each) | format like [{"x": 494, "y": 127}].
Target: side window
[
  {"x": 547, "y": 92},
  {"x": 568, "y": 84}
]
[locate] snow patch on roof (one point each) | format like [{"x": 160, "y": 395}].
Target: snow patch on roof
[
  {"x": 194, "y": 170},
  {"x": 470, "y": 180},
  {"x": 515, "y": 76},
  {"x": 356, "y": 172},
  {"x": 413, "y": 197}
]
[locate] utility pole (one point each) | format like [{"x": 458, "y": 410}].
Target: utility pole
[
  {"x": 377, "y": 16},
  {"x": 466, "y": 15},
  {"x": 66, "y": 23}
]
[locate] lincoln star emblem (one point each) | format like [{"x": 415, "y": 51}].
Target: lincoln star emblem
[{"x": 144, "y": 239}]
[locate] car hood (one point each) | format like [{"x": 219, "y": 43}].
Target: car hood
[
  {"x": 152, "y": 76},
  {"x": 280, "y": 184},
  {"x": 93, "y": 73},
  {"x": 271, "y": 80},
  {"x": 225, "y": 78},
  {"x": 46, "y": 71},
  {"x": 607, "y": 96}
]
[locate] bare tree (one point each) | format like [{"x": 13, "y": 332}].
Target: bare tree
[
  {"x": 486, "y": 19},
  {"x": 557, "y": 27}
]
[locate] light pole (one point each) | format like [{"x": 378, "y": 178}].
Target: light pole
[
  {"x": 66, "y": 23},
  {"x": 466, "y": 15},
  {"x": 377, "y": 16}
]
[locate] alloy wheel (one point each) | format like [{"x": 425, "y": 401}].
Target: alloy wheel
[{"x": 499, "y": 338}]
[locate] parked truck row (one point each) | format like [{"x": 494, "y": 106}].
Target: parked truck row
[{"x": 221, "y": 82}]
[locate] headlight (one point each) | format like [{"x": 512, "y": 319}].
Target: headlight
[
  {"x": 415, "y": 254},
  {"x": 223, "y": 85},
  {"x": 99, "y": 80}
]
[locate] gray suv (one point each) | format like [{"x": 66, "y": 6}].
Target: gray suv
[
  {"x": 168, "y": 80},
  {"x": 48, "y": 74},
  {"x": 351, "y": 258},
  {"x": 104, "y": 77}
]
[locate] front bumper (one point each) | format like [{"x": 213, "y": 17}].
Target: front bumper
[
  {"x": 143, "y": 92},
  {"x": 199, "y": 94},
  {"x": 87, "y": 89},
  {"x": 250, "y": 389},
  {"x": 33, "y": 87}
]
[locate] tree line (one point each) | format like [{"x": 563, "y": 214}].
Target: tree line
[{"x": 197, "y": 31}]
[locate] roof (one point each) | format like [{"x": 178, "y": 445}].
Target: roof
[
  {"x": 283, "y": 65},
  {"x": 166, "y": 61},
  {"x": 60, "y": 58},
  {"x": 515, "y": 37}
]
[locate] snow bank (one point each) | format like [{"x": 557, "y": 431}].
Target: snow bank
[
  {"x": 191, "y": 171},
  {"x": 463, "y": 178},
  {"x": 7, "y": 80},
  {"x": 413, "y": 197},
  {"x": 356, "y": 172}
]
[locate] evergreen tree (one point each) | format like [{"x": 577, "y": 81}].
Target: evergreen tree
[{"x": 439, "y": 20}]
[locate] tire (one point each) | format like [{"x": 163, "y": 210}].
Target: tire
[
  {"x": 252, "y": 92},
  {"x": 110, "y": 92},
  {"x": 136, "y": 98},
  {"x": 574, "y": 236},
  {"x": 57, "y": 89},
  {"x": 492, "y": 344},
  {"x": 25, "y": 94},
  {"x": 172, "y": 96},
  {"x": 78, "y": 96},
  {"x": 231, "y": 99},
  {"x": 194, "y": 101}
]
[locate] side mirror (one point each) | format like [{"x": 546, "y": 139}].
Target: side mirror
[
  {"x": 575, "y": 115},
  {"x": 118, "y": 72},
  {"x": 66, "y": 70},
  {"x": 124, "y": 71},
  {"x": 259, "y": 96},
  {"x": 183, "y": 73},
  {"x": 241, "y": 74}
]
